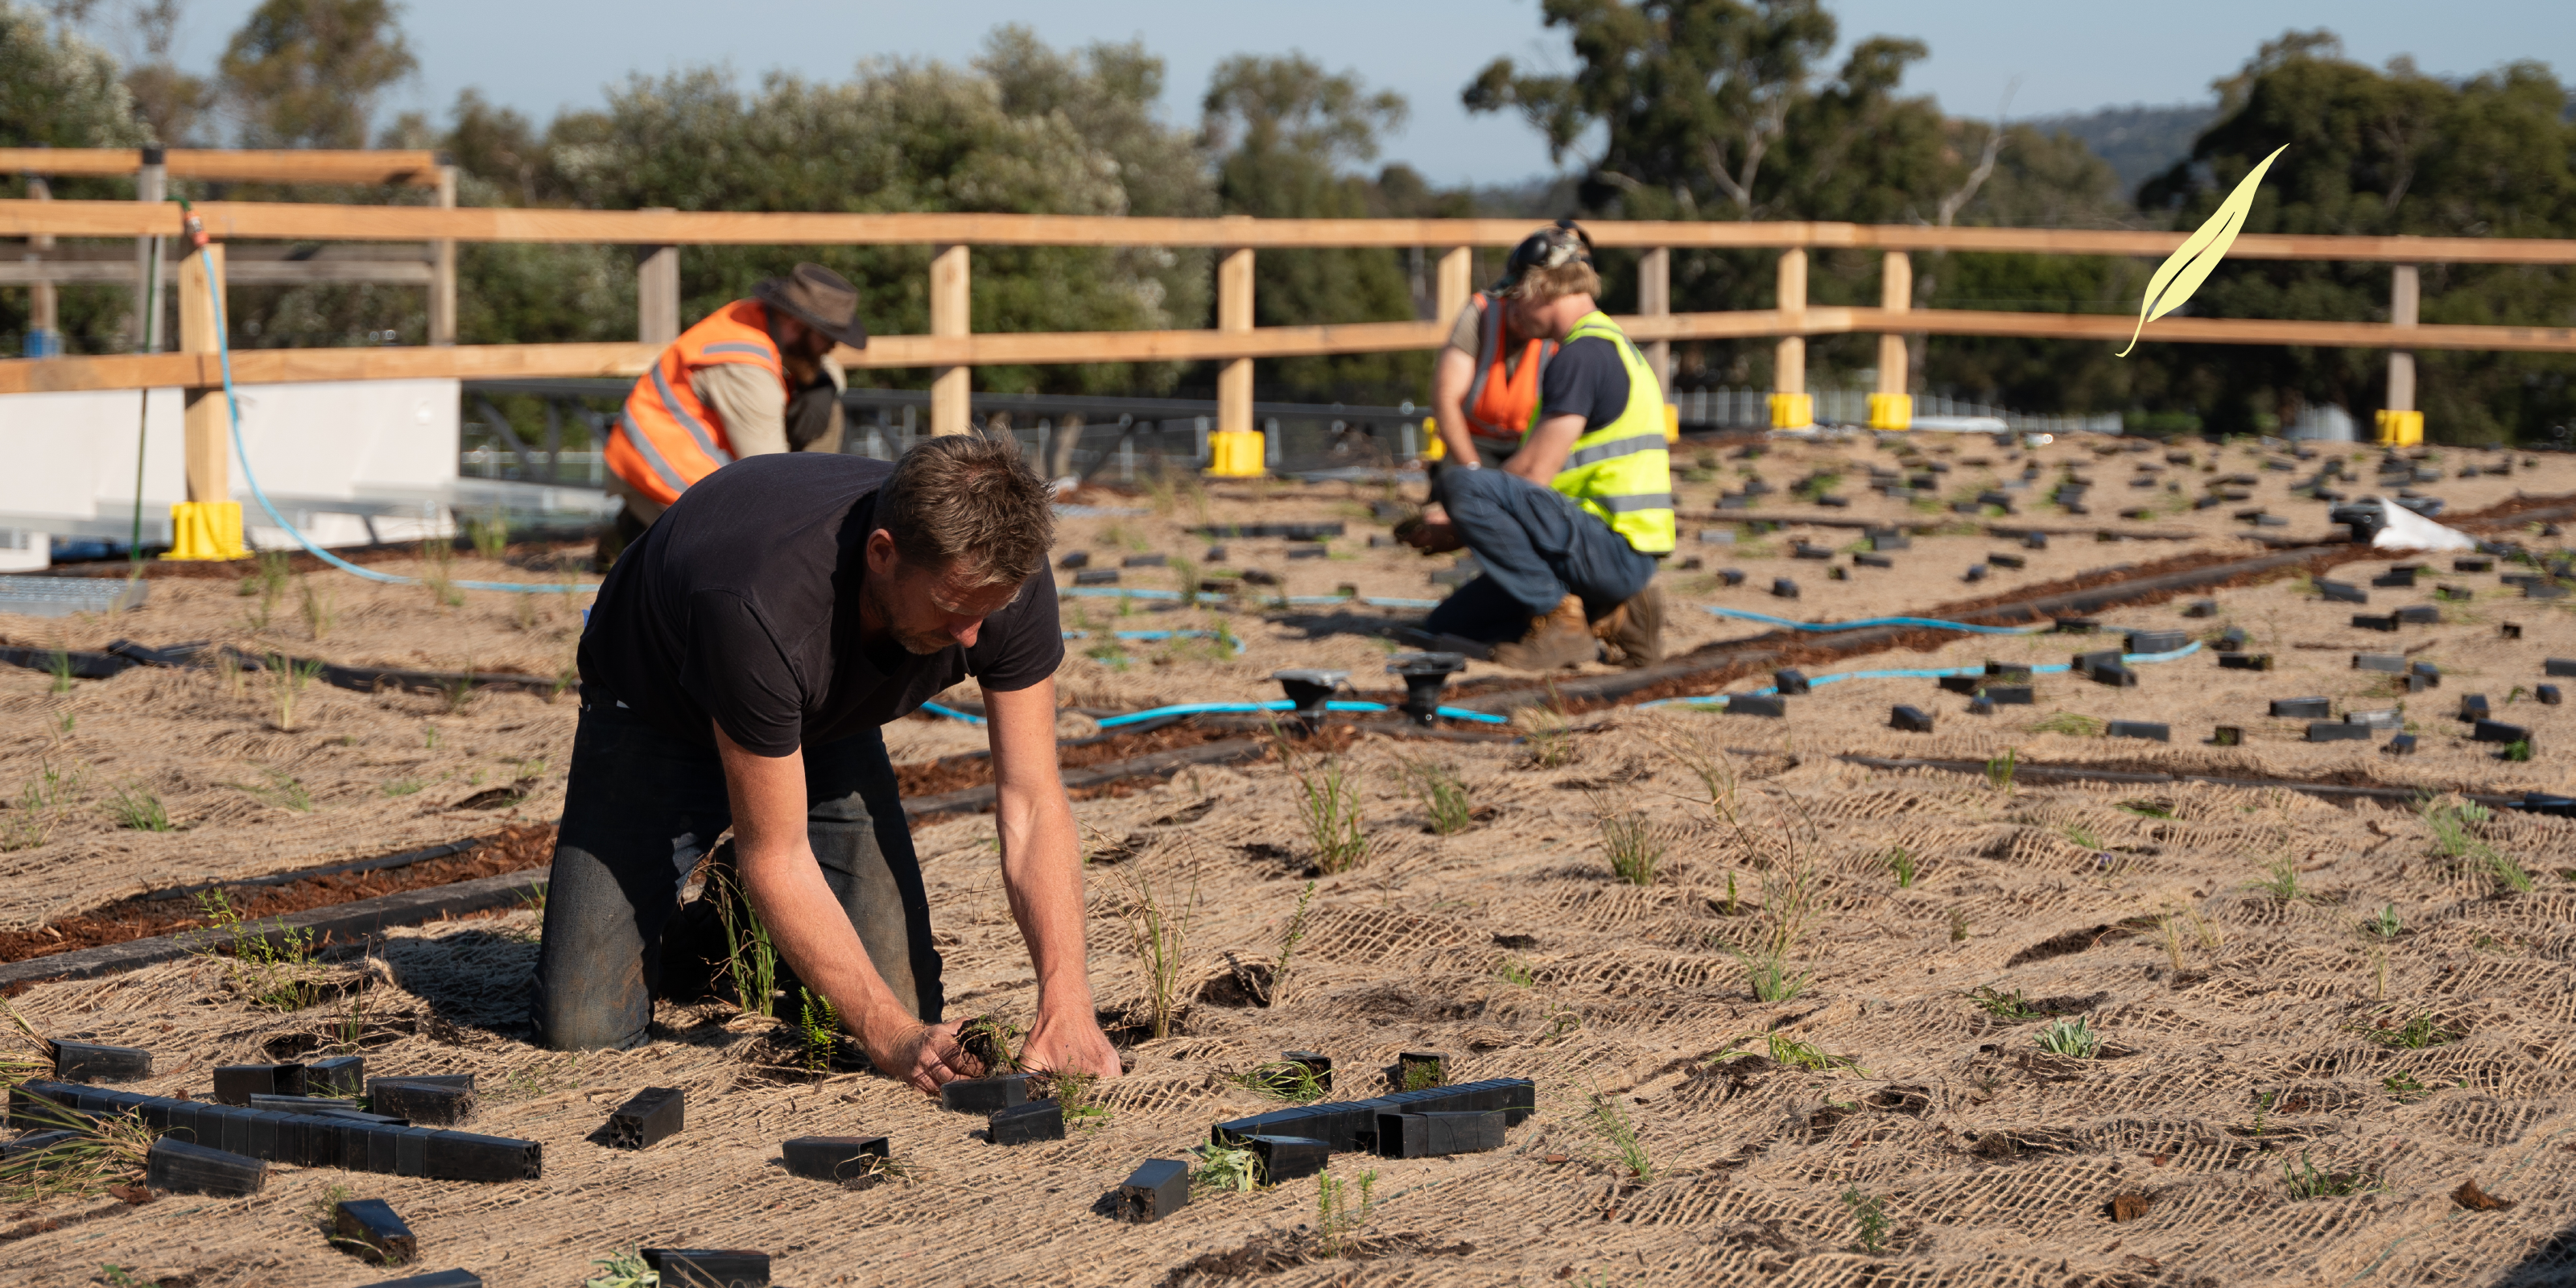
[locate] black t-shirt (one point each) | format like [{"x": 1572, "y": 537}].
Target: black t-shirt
[
  {"x": 1585, "y": 376},
  {"x": 741, "y": 604}
]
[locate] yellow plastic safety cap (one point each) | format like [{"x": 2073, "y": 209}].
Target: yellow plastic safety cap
[
  {"x": 2401, "y": 428},
  {"x": 1236, "y": 454},
  {"x": 1891, "y": 411},
  {"x": 1672, "y": 423},
  {"x": 206, "y": 530},
  {"x": 1793, "y": 411}
]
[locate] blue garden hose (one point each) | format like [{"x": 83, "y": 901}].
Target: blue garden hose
[
  {"x": 1233, "y": 708},
  {"x": 1972, "y": 628},
  {"x": 232, "y": 407}
]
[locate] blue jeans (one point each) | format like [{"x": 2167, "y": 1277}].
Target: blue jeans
[
  {"x": 642, "y": 809},
  {"x": 1537, "y": 547}
]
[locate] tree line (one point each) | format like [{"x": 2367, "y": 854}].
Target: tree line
[{"x": 1667, "y": 109}]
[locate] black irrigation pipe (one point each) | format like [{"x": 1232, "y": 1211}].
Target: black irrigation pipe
[
  {"x": 125, "y": 655},
  {"x": 345, "y": 921},
  {"x": 2406, "y": 796}
]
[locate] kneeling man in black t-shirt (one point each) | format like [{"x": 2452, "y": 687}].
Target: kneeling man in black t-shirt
[{"x": 735, "y": 672}]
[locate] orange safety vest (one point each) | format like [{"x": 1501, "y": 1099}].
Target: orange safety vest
[
  {"x": 1499, "y": 404},
  {"x": 666, "y": 438}
]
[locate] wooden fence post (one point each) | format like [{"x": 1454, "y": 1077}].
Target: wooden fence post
[
  {"x": 442, "y": 269},
  {"x": 208, "y": 524},
  {"x": 952, "y": 303},
  {"x": 1791, "y": 407},
  {"x": 1457, "y": 282},
  {"x": 151, "y": 188},
  {"x": 2400, "y": 425},
  {"x": 657, "y": 291},
  {"x": 44, "y": 311},
  {"x": 1655, "y": 300},
  {"x": 1892, "y": 407},
  {"x": 1236, "y": 449}
]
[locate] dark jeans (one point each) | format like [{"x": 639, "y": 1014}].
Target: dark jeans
[
  {"x": 1537, "y": 547},
  {"x": 641, "y": 810}
]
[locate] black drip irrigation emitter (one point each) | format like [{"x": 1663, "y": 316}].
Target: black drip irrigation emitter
[{"x": 1425, "y": 675}]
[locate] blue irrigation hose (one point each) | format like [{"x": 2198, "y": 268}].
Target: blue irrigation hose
[
  {"x": 1913, "y": 673},
  {"x": 1232, "y": 708},
  {"x": 1970, "y": 627},
  {"x": 232, "y": 406}
]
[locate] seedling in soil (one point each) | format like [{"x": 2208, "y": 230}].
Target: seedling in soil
[
  {"x": 79, "y": 1155},
  {"x": 286, "y": 681},
  {"x": 2075, "y": 1037},
  {"x": 1517, "y": 973},
  {"x": 1421, "y": 1070},
  {"x": 281, "y": 790},
  {"x": 1619, "y": 1132},
  {"x": 819, "y": 1026},
  {"x": 1221, "y": 1169},
  {"x": 2070, "y": 724},
  {"x": 751, "y": 961},
  {"x": 1770, "y": 977},
  {"x": 2280, "y": 879},
  {"x": 1901, "y": 862},
  {"x": 1634, "y": 850},
  {"x": 1806, "y": 1055},
  {"x": 321, "y": 607},
  {"x": 1958, "y": 926},
  {"x": 1289, "y": 1080},
  {"x": 988, "y": 1038},
  {"x": 1077, "y": 1097},
  {"x": 2080, "y": 836},
  {"x": 1288, "y": 941},
  {"x": 1160, "y": 936},
  {"x": 2404, "y": 1086},
  {"x": 1337, "y": 1221},
  {"x": 1870, "y": 1215},
  {"x": 274, "y": 969},
  {"x": 2304, "y": 1181},
  {"x": 1550, "y": 740},
  {"x": 1444, "y": 798},
  {"x": 136, "y": 809},
  {"x": 42, "y": 803},
  {"x": 2012, "y": 1006},
  {"x": 623, "y": 1270},
  {"x": 1328, "y": 799},
  {"x": 2455, "y": 837},
  {"x": 2419, "y": 1031},
  {"x": 2385, "y": 924}
]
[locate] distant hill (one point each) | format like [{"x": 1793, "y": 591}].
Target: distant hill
[{"x": 2137, "y": 140}]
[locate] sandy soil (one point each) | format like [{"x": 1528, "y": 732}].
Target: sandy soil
[{"x": 2245, "y": 1032}]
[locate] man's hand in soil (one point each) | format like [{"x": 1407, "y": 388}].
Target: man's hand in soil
[
  {"x": 1068, "y": 1042},
  {"x": 924, "y": 1055},
  {"x": 1428, "y": 537}
]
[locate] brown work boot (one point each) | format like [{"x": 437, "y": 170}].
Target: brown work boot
[
  {"x": 1560, "y": 639},
  {"x": 1635, "y": 629}
]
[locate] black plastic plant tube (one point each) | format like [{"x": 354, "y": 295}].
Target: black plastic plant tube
[
  {"x": 436, "y": 1102},
  {"x": 1155, "y": 1190},
  {"x": 464, "y": 1156},
  {"x": 2139, "y": 729},
  {"x": 371, "y": 1229},
  {"x": 2548, "y": 695},
  {"x": 341, "y": 1075},
  {"x": 1961, "y": 683},
  {"x": 984, "y": 1095},
  {"x": 94, "y": 1062},
  {"x": 2302, "y": 708},
  {"x": 434, "y": 1279},
  {"x": 2245, "y": 661},
  {"x": 2337, "y": 731},
  {"x": 2011, "y": 695},
  {"x": 840, "y": 1159},
  {"x": 1022, "y": 1124},
  {"x": 1418, "y": 1069},
  {"x": 1909, "y": 719},
  {"x": 177, "y": 1167},
  {"x": 647, "y": 1117},
  {"x": 709, "y": 1267},
  {"x": 2557, "y": 666},
  {"x": 2157, "y": 641},
  {"x": 1432, "y": 1135},
  {"x": 1791, "y": 681},
  {"x": 2498, "y": 731},
  {"x": 2339, "y": 592},
  {"x": 332, "y": 1106},
  {"x": 1757, "y": 704},
  {"x": 2401, "y": 745},
  {"x": 1286, "y": 1158},
  {"x": 235, "y": 1084},
  {"x": 35, "y": 1141}
]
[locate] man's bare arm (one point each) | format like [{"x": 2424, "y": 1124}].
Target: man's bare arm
[
  {"x": 1451, "y": 374},
  {"x": 1042, "y": 871},
  {"x": 1544, "y": 454},
  {"x": 805, "y": 919}
]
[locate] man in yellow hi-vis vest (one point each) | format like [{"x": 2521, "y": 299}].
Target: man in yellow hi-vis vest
[{"x": 1569, "y": 529}]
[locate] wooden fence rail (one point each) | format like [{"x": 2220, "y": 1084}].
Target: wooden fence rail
[{"x": 952, "y": 349}]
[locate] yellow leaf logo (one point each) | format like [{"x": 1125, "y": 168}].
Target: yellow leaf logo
[{"x": 2190, "y": 264}]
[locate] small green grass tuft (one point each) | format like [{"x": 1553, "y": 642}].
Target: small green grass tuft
[
  {"x": 1284, "y": 1080},
  {"x": 2075, "y": 1037},
  {"x": 1619, "y": 1132},
  {"x": 1633, "y": 848},
  {"x": 1770, "y": 977},
  {"x": 1901, "y": 862},
  {"x": 1870, "y": 1216},
  {"x": 2010, "y": 1006},
  {"x": 2071, "y": 724},
  {"x": 136, "y": 809},
  {"x": 2419, "y": 1031},
  {"x": 2385, "y": 923},
  {"x": 1807, "y": 1055},
  {"x": 2304, "y": 1181}
]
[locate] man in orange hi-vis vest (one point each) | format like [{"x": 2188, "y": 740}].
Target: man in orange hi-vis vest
[{"x": 753, "y": 377}]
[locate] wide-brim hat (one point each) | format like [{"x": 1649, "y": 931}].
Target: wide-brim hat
[{"x": 819, "y": 298}]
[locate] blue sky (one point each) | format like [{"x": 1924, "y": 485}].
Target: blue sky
[{"x": 2068, "y": 55}]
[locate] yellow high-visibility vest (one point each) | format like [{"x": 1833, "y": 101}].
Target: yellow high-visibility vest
[{"x": 1622, "y": 473}]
